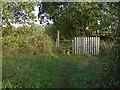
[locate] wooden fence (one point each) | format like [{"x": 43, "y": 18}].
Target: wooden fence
[{"x": 87, "y": 45}]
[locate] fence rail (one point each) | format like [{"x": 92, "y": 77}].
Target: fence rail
[{"x": 87, "y": 45}]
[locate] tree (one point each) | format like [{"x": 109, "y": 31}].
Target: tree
[
  {"x": 13, "y": 12},
  {"x": 77, "y": 16}
]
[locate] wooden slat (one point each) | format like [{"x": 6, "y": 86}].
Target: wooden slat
[
  {"x": 75, "y": 45},
  {"x": 84, "y": 44},
  {"x": 92, "y": 45},
  {"x": 79, "y": 45},
  {"x": 96, "y": 45},
  {"x": 72, "y": 46},
  {"x": 87, "y": 45},
  {"x": 65, "y": 40},
  {"x": 58, "y": 37}
]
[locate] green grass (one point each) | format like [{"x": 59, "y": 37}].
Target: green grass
[{"x": 51, "y": 71}]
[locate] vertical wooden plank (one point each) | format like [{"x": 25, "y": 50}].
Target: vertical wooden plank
[
  {"x": 92, "y": 45},
  {"x": 75, "y": 45},
  {"x": 98, "y": 44},
  {"x": 95, "y": 45},
  {"x": 88, "y": 45},
  {"x": 79, "y": 45},
  {"x": 72, "y": 46},
  {"x": 58, "y": 37},
  {"x": 84, "y": 45}
]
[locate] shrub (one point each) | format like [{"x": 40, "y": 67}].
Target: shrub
[
  {"x": 111, "y": 65},
  {"x": 26, "y": 40}
]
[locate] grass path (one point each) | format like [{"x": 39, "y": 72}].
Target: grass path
[
  {"x": 65, "y": 73},
  {"x": 57, "y": 71}
]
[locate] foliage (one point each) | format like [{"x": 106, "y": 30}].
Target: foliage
[
  {"x": 81, "y": 19},
  {"x": 26, "y": 39},
  {"x": 20, "y": 12},
  {"x": 51, "y": 30},
  {"x": 111, "y": 63},
  {"x": 111, "y": 67}
]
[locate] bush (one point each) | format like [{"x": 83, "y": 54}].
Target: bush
[
  {"x": 111, "y": 65},
  {"x": 26, "y": 40}
]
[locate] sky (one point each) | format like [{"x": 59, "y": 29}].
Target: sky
[{"x": 35, "y": 12}]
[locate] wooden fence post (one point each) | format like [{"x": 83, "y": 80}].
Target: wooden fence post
[
  {"x": 64, "y": 50},
  {"x": 58, "y": 37},
  {"x": 68, "y": 51}
]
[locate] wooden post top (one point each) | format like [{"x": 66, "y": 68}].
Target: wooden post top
[{"x": 68, "y": 49}]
